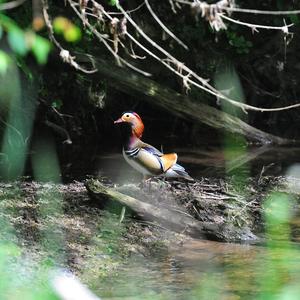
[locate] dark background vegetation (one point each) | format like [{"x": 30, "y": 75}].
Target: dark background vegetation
[{"x": 72, "y": 106}]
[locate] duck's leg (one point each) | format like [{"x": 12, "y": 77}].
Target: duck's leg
[
  {"x": 147, "y": 178},
  {"x": 146, "y": 182}
]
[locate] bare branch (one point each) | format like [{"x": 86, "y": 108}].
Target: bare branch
[
  {"x": 214, "y": 13},
  {"x": 64, "y": 54},
  {"x": 264, "y": 12},
  {"x": 189, "y": 77},
  {"x": 173, "y": 6},
  {"x": 102, "y": 39},
  {"x": 203, "y": 83},
  {"x": 254, "y": 26},
  {"x": 11, "y": 5},
  {"x": 129, "y": 11},
  {"x": 250, "y": 11},
  {"x": 164, "y": 27}
]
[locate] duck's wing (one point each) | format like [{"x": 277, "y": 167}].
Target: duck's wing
[
  {"x": 167, "y": 160},
  {"x": 150, "y": 149}
]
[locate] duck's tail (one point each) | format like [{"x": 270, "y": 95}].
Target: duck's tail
[{"x": 178, "y": 171}]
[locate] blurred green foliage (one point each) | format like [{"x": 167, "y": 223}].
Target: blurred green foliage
[
  {"x": 64, "y": 26},
  {"x": 23, "y": 41},
  {"x": 113, "y": 2},
  {"x": 18, "y": 280},
  {"x": 4, "y": 62},
  {"x": 239, "y": 42}
]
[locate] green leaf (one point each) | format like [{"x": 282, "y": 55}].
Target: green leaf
[
  {"x": 72, "y": 34},
  {"x": 113, "y": 2},
  {"x": 41, "y": 48},
  {"x": 1, "y": 32},
  {"x": 294, "y": 19},
  {"x": 4, "y": 62},
  {"x": 57, "y": 104},
  {"x": 60, "y": 24},
  {"x": 25, "y": 68},
  {"x": 17, "y": 42}
]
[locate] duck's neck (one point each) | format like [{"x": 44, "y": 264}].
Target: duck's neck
[
  {"x": 129, "y": 137},
  {"x": 131, "y": 142}
]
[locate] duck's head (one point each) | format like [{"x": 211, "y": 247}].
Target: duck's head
[{"x": 134, "y": 120}]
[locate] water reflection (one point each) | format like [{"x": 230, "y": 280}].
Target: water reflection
[
  {"x": 265, "y": 160},
  {"x": 207, "y": 270}
]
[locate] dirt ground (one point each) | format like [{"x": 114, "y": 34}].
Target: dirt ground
[{"x": 63, "y": 225}]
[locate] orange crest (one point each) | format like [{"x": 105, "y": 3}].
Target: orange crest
[
  {"x": 138, "y": 128},
  {"x": 135, "y": 120}
]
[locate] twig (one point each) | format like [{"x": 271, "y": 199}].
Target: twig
[
  {"x": 173, "y": 6},
  {"x": 102, "y": 40},
  {"x": 11, "y": 5},
  {"x": 64, "y": 54},
  {"x": 251, "y": 11},
  {"x": 264, "y": 12},
  {"x": 129, "y": 11},
  {"x": 164, "y": 27},
  {"x": 177, "y": 67},
  {"x": 248, "y": 204},
  {"x": 254, "y": 26},
  {"x": 215, "y": 12},
  {"x": 14, "y": 129},
  {"x": 203, "y": 82},
  {"x": 60, "y": 130}
]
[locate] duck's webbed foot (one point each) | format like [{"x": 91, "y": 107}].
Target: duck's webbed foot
[
  {"x": 146, "y": 182},
  {"x": 147, "y": 178},
  {"x": 154, "y": 183}
]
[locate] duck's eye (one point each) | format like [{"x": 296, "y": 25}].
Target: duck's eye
[{"x": 127, "y": 116}]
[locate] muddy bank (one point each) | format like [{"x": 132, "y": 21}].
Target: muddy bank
[
  {"x": 230, "y": 210},
  {"x": 62, "y": 226},
  {"x": 210, "y": 209}
]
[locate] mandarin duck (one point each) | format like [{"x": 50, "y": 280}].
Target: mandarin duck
[{"x": 143, "y": 157}]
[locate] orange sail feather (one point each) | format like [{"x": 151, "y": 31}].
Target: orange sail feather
[{"x": 168, "y": 160}]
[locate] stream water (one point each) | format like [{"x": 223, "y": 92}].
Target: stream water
[
  {"x": 208, "y": 270},
  {"x": 211, "y": 162}
]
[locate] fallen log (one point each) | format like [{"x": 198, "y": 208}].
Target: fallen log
[
  {"x": 174, "y": 220},
  {"x": 180, "y": 105}
]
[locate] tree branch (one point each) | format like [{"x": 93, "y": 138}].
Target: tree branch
[
  {"x": 64, "y": 54},
  {"x": 178, "y": 104},
  {"x": 161, "y": 24},
  {"x": 250, "y": 11},
  {"x": 11, "y": 5}
]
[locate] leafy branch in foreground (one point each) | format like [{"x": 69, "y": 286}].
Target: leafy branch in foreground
[{"x": 22, "y": 42}]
